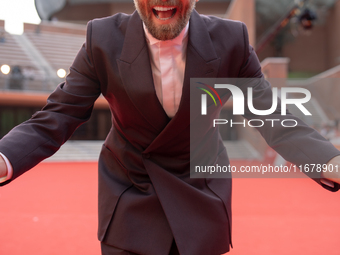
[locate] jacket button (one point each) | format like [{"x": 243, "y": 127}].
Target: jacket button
[{"x": 147, "y": 155}]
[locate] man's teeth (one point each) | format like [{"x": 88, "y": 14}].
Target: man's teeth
[
  {"x": 164, "y": 13},
  {"x": 163, "y": 9}
]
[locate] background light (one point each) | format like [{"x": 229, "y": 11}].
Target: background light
[
  {"x": 61, "y": 73},
  {"x": 5, "y": 69}
]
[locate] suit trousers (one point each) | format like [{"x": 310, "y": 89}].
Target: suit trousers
[{"x": 111, "y": 250}]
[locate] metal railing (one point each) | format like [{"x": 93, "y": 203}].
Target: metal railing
[{"x": 22, "y": 83}]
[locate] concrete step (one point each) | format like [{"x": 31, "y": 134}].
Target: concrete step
[
  {"x": 77, "y": 151},
  {"x": 241, "y": 149},
  {"x": 89, "y": 151}
]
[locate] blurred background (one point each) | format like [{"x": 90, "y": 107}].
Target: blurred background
[
  {"x": 296, "y": 41},
  {"x": 52, "y": 209}
]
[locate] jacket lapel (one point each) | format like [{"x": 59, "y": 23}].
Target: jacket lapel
[
  {"x": 201, "y": 62},
  {"x": 135, "y": 70}
]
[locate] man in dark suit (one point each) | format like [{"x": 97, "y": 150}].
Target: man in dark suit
[{"x": 148, "y": 204}]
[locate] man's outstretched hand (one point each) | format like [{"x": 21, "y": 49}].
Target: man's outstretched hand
[
  {"x": 333, "y": 172},
  {"x": 3, "y": 168}
]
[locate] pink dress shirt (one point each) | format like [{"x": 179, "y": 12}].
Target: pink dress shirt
[{"x": 168, "y": 65}]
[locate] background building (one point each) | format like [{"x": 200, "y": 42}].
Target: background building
[{"x": 33, "y": 63}]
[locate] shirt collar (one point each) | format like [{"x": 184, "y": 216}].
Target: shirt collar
[{"x": 178, "y": 40}]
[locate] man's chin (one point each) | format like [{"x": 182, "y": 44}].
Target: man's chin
[
  {"x": 164, "y": 35},
  {"x": 165, "y": 30}
]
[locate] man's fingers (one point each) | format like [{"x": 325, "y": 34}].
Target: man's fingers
[
  {"x": 3, "y": 167},
  {"x": 333, "y": 170}
]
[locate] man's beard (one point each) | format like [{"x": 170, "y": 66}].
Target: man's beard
[{"x": 168, "y": 31}]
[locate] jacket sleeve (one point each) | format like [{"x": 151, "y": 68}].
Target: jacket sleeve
[
  {"x": 69, "y": 106},
  {"x": 300, "y": 145}
]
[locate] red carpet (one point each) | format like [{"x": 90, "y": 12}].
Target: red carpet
[{"x": 53, "y": 210}]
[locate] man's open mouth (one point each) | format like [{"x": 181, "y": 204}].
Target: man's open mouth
[{"x": 164, "y": 13}]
